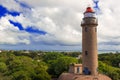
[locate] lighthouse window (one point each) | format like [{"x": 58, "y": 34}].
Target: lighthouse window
[
  {"x": 95, "y": 29},
  {"x": 97, "y": 69},
  {"x": 85, "y": 29},
  {"x": 78, "y": 69},
  {"x": 86, "y": 53}
]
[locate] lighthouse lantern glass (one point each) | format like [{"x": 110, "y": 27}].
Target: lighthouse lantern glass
[{"x": 89, "y": 15}]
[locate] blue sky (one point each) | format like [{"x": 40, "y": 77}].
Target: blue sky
[{"x": 55, "y": 25}]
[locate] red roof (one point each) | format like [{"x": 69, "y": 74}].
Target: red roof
[{"x": 89, "y": 9}]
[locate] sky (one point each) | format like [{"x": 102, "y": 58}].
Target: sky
[{"x": 55, "y": 24}]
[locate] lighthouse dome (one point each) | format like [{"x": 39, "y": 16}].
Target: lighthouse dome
[{"x": 89, "y": 12}]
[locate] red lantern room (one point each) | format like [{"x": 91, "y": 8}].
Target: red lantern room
[
  {"x": 89, "y": 9},
  {"x": 89, "y": 12}
]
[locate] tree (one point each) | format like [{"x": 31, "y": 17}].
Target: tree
[
  {"x": 21, "y": 75},
  {"x": 62, "y": 64},
  {"x": 3, "y": 67},
  {"x": 41, "y": 74},
  {"x": 51, "y": 56},
  {"x": 25, "y": 68},
  {"x": 109, "y": 70}
]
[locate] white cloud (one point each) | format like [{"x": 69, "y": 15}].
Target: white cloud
[
  {"x": 59, "y": 26},
  {"x": 61, "y": 20},
  {"x": 9, "y": 34},
  {"x": 11, "y": 5}
]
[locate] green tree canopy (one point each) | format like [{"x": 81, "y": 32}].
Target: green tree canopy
[
  {"x": 109, "y": 70},
  {"x": 3, "y": 67},
  {"x": 51, "y": 56},
  {"x": 61, "y": 64}
]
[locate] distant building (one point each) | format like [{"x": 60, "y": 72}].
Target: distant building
[{"x": 88, "y": 70}]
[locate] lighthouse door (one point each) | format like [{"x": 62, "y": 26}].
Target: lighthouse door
[
  {"x": 78, "y": 70},
  {"x": 86, "y": 71}
]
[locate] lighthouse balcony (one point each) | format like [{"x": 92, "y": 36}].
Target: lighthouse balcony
[{"x": 89, "y": 21}]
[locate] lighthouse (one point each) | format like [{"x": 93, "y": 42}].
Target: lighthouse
[
  {"x": 89, "y": 42},
  {"x": 88, "y": 70}
]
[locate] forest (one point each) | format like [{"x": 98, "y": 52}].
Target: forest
[{"x": 41, "y": 65}]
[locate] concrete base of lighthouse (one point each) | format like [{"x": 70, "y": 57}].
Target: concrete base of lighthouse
[
  {"x": 72, "y": 76},
  {"x": 75, "y": 73}
]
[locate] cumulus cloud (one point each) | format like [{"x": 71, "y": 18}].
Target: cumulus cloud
[
  {"x": 108, "y": 33},
  {"x": 61, "y": 20},
  {"x": 11, "y": 5},
  {"x": 10, "y": 34}
]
